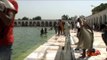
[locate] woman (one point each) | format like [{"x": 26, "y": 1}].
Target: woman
[{"x": 85, "y": 37}]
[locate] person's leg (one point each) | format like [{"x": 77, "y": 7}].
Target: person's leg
[
  {"x": 58, "y": 31},
  {"x": 5, "y": 53},
  {"x": 83, "y": 54},
  {"x": 106, "y": 39},
  {"x": 78, "y": 30}
]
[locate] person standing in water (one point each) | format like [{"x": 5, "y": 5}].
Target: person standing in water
[{"x": 41, "y": 31}]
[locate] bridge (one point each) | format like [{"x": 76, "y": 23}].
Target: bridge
[{"x": 39, "y": 23}]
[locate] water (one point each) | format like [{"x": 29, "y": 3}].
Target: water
[{"x": 27, "y": 39}]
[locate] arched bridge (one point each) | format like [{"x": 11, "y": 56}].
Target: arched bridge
[{"x": 39, "y": 23}]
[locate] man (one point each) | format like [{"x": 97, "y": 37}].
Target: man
[
  {"x": 85, "y": 37},
  {"x": 6, "y": 29},
  {"x": 61, "y": 27}
]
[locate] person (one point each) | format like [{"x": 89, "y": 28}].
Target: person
[
  {"x": 6, "y": 28},
  {"x": 56, "y": 27},
  {"x": 85, "y": 37},
  {"x": 104, "y": 34},
  {"x": 60, "y": 27},
  {"x": 45, "y": 31},
  {"x": 78, "y": 30},
  {"x": 78, "y": 26},
  {"x": 41, "y": 31},
  {"x": 66, "y": 28}
]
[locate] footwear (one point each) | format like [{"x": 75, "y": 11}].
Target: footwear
[{"x": 83, "y": 54}]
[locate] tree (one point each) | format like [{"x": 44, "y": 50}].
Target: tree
[
  {"x": 99, "y": 8},
  {"x": 25, "y": 18},
  {"x": 37, "y": 18},
  {"x": 19, "y": 19},
  {"x": 65, "y": 17},
  {"x": 73, "y": 18}
]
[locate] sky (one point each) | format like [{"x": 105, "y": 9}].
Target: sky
[{"x": 54, "y": 9}]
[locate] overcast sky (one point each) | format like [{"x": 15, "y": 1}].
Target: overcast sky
[{"x": 54, "y": 9}]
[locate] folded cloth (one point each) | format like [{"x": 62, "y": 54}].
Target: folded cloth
[{"x": 95, "y": 53}]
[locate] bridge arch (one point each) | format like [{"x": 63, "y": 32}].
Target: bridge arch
[
  {"x": 105, "y": 18},
  {"x": 42, "y": 24},
  {"x": 38, "y": 23},
  {"x": 46, "y": 23},
  {"x": 98, "y": 18}
]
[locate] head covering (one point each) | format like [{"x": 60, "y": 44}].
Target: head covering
[
  {"x": 15, "y": 5},
  {"x": 82, "y": 17}
]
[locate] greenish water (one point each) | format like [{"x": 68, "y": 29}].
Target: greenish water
[{"x": 27, "y": 39}]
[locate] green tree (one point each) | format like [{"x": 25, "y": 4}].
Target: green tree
[
  {"x": 73, "y": 18},
  {"x": 37, "y": 18},
  {"x": 65, "y": 17},
  {"x": 99, "y": 8},
  {"x": 19, "y": 19},
  {"x": 25, "y": 18}
]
